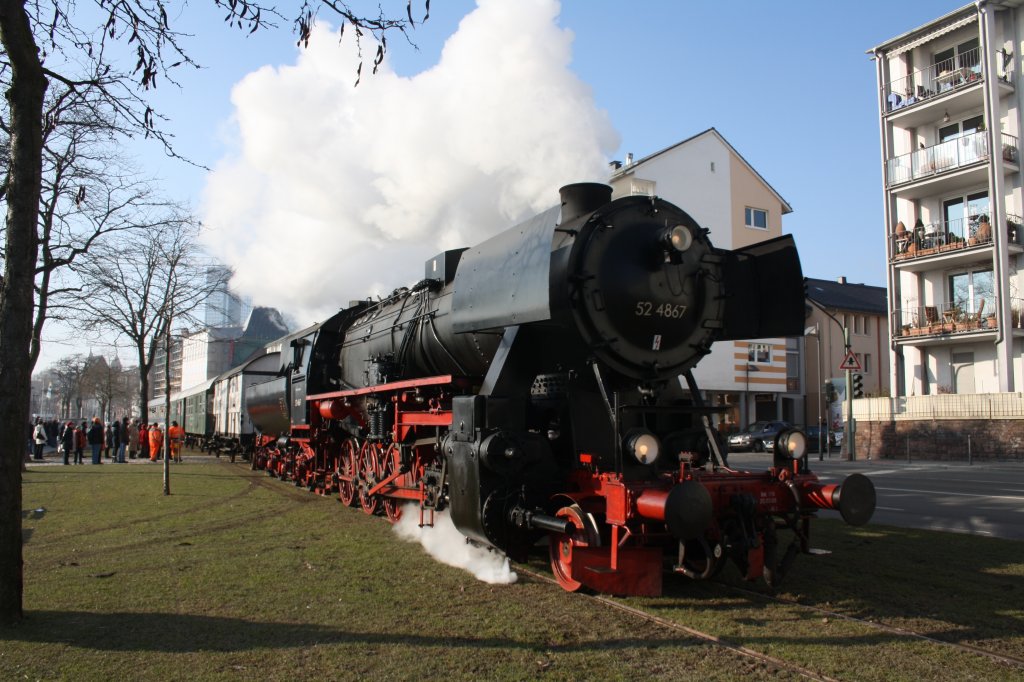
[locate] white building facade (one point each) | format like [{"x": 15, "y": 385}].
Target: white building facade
[
  {"x": 949, "y": 103},
  {"x": 706, "y": 177}
]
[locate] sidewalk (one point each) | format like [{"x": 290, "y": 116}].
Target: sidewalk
[{"x": 51, "y": 458}]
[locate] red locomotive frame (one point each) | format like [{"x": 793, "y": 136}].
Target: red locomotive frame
[{"x": 617, "y": 533}]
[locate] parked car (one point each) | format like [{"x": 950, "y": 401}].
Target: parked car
[
  {"x": 754, "y": 436},
  {"x": 813, "y": 435},
  {"x": 812, "y": 432}
]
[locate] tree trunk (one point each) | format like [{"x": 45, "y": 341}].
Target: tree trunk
[{"x": 25, "y": 98}]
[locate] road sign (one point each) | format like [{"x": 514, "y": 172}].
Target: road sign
[{"x": 850, "y": 362}]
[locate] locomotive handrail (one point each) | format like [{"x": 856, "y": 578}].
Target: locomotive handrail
[{"x": 391, "y": 386}]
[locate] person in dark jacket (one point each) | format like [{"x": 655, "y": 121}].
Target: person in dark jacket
[
  {"x": 95, "y": 438},
  {"x": 67, "y": 440},
  {"x": 79, "y": 443},
  {"x": 143, "y": 441},
  {"x": 120, "y": 439}
]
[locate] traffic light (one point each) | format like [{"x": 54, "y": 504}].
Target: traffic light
[
  {"x": 830, "y": 392},
  {"x": 858, "y": 385}
]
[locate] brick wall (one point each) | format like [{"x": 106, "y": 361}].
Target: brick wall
[{"x": 941, "y": 439}]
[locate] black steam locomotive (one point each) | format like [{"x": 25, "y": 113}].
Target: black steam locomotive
[{"x": 540, "y": 383}]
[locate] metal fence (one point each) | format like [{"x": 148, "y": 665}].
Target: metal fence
[{"x": 943, "y": 406}]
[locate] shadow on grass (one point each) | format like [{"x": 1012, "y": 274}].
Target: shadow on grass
[
  {"x": 886, "y": 574},
  {"x": 177, "y": 633}
]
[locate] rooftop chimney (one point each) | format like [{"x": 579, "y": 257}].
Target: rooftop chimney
[
  {"x": 629, "y": 159},
  {"x": 842, "y": 279}
]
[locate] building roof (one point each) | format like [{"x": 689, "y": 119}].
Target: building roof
[
  {"x": 861, "y": 298},
  {"x": 925, "y": 32},
  {"x": 626, "y": 170}
]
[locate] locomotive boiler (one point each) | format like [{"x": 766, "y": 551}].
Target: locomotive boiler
[{"x": 540, "y": 383}]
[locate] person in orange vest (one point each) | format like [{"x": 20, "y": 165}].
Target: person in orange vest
[
  {"x": 156, "y": 441},
  {"x": 176, "y": 434}
]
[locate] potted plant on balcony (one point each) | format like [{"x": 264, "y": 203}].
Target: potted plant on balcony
[{"x": 984, "y": 233}]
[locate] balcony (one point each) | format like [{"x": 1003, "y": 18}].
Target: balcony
[
  {"x": 930, "y": 325},
  {"x": 954, "y": 240},
  {"x": 946, "y": 157},
  {"x": 945, "y": 76}
]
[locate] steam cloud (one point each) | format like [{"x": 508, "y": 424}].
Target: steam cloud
[
  {"x": 445, "y": 543},
  {"x": 339, "y": 192}
]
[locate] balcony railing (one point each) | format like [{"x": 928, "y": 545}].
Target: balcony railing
[
  {"x": 953, "y": 318},
  {"x": 947, "y": 156},
  {"x": 949, "y": 74},
  {"x": 944, "y": 318},
  {"x": 953, "y": 235}
]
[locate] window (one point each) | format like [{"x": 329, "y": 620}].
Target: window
[
  {"x": 758, "y": 352},
  {"x": 867, "y": 363},
  {"x": 858, "y": 328},
  {"x": 967, "y": 290},
  {"x": 867, "y": 324},
  {"x": 756, "y": 218},
  {"x": 962, "y": 215}
]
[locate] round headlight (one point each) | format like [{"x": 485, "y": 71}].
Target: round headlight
[
  {"x": 679, "y": 238},
  {"x": 792, "y": 444},
  {"x": 643, "y": 445}
]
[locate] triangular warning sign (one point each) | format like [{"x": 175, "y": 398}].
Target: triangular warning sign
[{"x": 849, "y": 362}]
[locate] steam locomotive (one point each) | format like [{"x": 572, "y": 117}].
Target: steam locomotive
[{"x": 540, "y": 384}]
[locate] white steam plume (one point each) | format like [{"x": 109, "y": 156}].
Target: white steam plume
[
  {"x": 338, "y": 192},
  {"x": 444, "y": 542}
]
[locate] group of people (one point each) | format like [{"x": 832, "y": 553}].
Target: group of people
[{"x": 125, "y": 437}]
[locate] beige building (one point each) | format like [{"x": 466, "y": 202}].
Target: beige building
[
  {"x": 706, "y": 177},
  {"x": 949, "y": 109},
  {"x": 861, "y": 308}
]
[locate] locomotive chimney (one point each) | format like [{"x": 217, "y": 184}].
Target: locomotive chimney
[{"x": 581, "y": 198}]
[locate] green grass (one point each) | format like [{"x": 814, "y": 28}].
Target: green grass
[{"x": 239, "y": 576}]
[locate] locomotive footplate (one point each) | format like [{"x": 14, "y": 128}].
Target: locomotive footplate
[{"x": 637, "y": 572}]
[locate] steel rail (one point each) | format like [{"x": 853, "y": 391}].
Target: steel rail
[{"x": 697, "y": 634}]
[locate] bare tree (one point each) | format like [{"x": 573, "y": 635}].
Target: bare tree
[
  {"x": 135, "y": 294},
  {"x": 77, "y": 52},
  {"x": 67, "y": 378},
  {"x": 89, "y": 193}
]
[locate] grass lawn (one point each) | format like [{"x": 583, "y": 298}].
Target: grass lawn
[{"x": 240, "y": 576}]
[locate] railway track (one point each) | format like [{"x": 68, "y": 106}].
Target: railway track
[
  {"x": 714, "y": 640},
  {"x": 1005, "y": 659}
]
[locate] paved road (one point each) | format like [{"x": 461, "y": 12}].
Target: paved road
[{"x": 981, "y": 499}]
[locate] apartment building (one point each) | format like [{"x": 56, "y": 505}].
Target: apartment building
[
  {"x": 706, "y": 177},
  {"x": 949, "y": 108},
  {"x": 860, "y": 308}
]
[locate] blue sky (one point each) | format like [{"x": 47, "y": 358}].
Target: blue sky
[{"x": 788, "y": 84}]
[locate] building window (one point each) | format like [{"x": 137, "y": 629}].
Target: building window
[
  {"x": 756, "y": 218},
  {"x": 867, "y": 363},
  {"x": 857, "y": 326},
  {"x": 867, "y": 324},
  {"x": 968, "y": 290},
  {"x": 758, "y": 352}
]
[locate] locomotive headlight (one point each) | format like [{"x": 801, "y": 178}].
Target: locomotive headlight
[
  {"x": 643, "y": 445},
  {"x": 792, "y": 444},
  {"x": 679, "y": 238}
]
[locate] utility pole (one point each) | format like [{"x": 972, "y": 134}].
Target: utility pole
[
  {"x": 849, "y": 430},
  {"x": 167, "y": 405}
]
